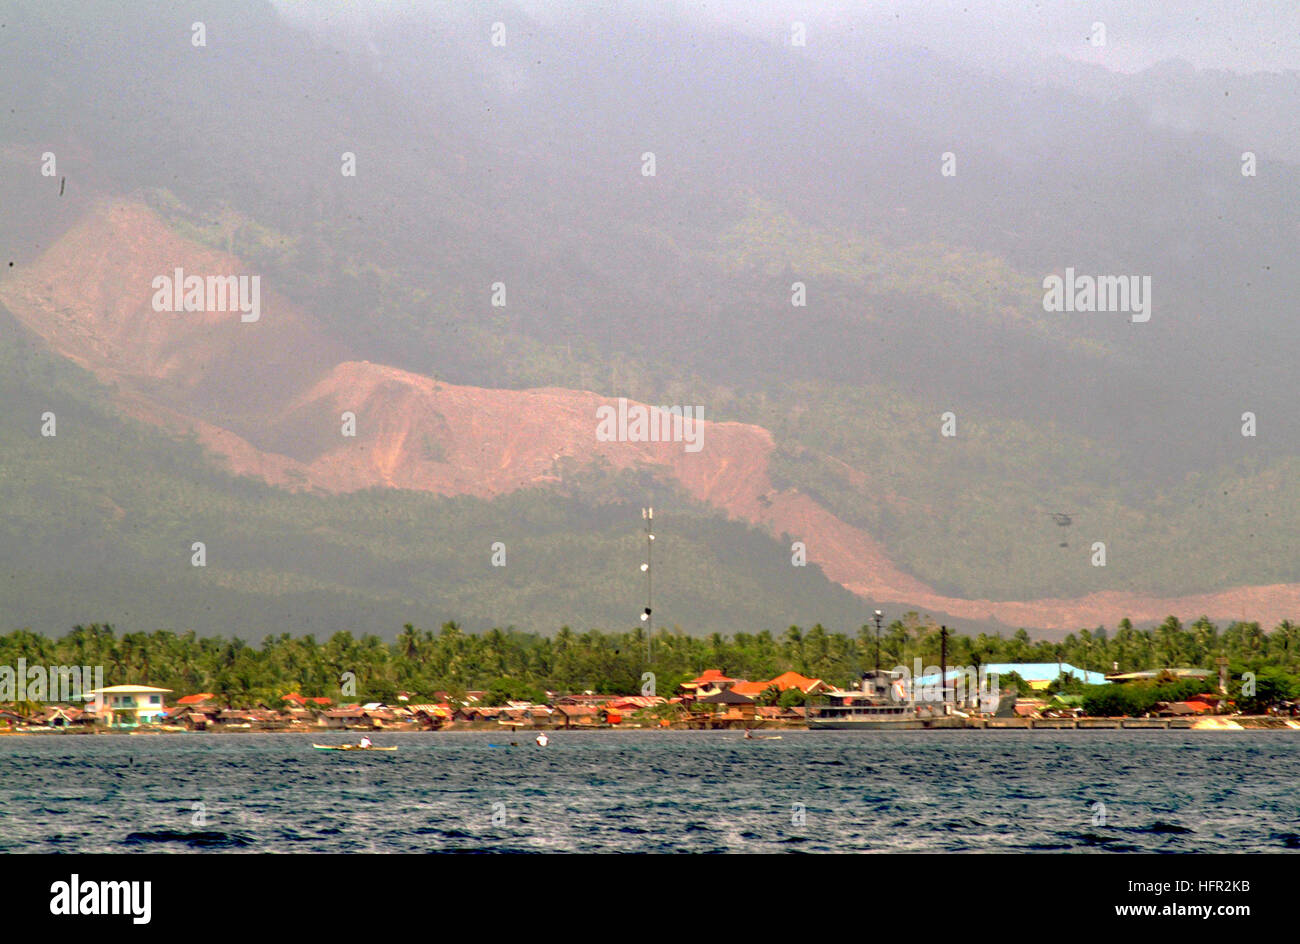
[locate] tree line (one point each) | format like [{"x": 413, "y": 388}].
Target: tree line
[{"x": 507, "y": 663}]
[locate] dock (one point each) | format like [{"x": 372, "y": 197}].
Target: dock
[{"x": 1059, "y": 724}]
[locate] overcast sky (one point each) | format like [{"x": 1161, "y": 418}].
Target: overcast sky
[{"x": 1241, "y": 35}]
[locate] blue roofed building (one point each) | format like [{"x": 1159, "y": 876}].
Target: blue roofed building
[{"x": 1039, "y": 675}]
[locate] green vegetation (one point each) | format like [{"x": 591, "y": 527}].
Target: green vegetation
[
  {"x": 1269, "y": 686},
  {"x": 101, "y": 518},
  {"x": 513, "y": 665},
  {"x": 1139, "y": 698},
  {"x": 922, "y": 299}
]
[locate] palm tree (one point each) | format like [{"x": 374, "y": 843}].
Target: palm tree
[
  {"x": 408, "y": 642},
  {"x": 1286, "y": 635}
]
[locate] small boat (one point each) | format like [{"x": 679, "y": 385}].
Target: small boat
[{"x": 350, "y": 747}]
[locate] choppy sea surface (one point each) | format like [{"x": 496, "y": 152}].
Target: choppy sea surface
[{"x": 656, "y": 791}]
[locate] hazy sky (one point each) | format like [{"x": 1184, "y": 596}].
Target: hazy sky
[{"x": 1241, "y": 35}]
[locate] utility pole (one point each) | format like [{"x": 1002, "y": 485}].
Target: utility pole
[
  {"x": 943, "y": 663},
  {"x": 879, "y": 617},
  {"x": 648, "y": 514}
]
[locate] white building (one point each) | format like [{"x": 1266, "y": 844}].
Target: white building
[{"x": 129, "y": 705}]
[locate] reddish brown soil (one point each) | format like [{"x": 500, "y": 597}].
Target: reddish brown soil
[{"x": 267, "y": 398}]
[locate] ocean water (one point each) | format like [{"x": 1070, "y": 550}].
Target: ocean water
[{"x": 657, "y": 791}]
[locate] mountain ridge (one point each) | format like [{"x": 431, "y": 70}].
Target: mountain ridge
[{"x": 417, "y": 433}]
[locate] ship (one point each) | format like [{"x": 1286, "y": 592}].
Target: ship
[{"x": 882, "y": 702}]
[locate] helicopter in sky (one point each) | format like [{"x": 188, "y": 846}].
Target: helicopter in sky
[{"x": 1063, "y": 519}]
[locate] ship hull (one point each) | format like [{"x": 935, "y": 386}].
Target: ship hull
[{"x": 864, "y": 724}]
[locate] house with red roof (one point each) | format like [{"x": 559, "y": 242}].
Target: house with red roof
[{"x": 200, "y": 698}]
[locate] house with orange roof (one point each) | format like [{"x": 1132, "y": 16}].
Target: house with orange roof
[
  {"x": 634, "y": 702},
  {"x": 302, "y": 701},
  {"x": 200, "y": 698},
  {"x": 809, "y": 686},
  {"x": 709, "y": 682},
  {"x": 782, "y": 683}
]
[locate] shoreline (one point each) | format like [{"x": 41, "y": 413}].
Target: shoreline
[{"x": 1214, "y": 723}]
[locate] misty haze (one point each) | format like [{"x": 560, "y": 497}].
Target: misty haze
[{"x": 322, "y": 318}]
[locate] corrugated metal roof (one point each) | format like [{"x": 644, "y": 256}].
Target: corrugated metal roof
[{"x": 1029, "y": 671}]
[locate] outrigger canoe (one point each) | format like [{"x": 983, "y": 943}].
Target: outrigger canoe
[{"x": 350, "y": 747}]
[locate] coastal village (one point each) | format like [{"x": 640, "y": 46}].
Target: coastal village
[{"x": 712, "y": 700}]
